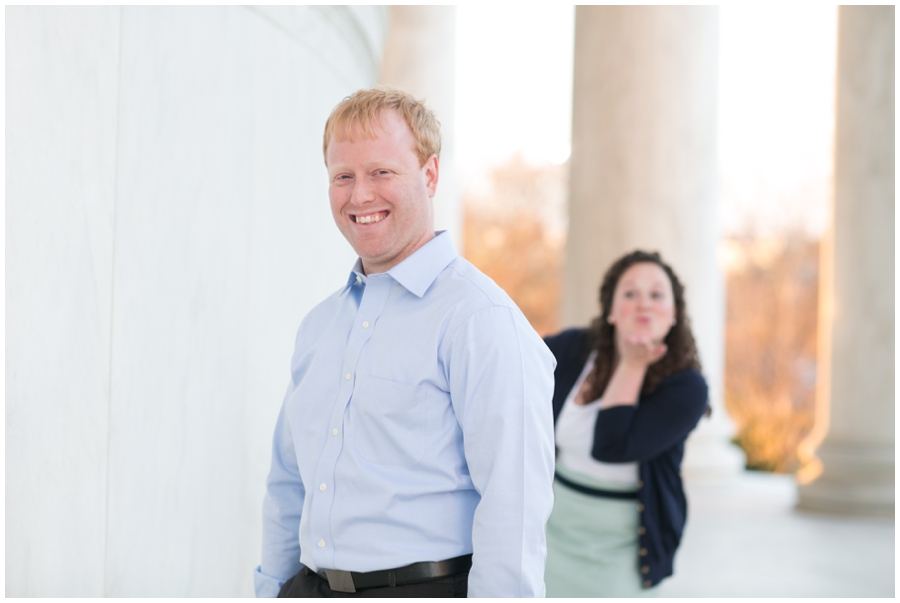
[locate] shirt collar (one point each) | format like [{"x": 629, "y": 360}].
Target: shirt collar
[
  {"x": 417, "y": 272},
  {"x": 357, "y": 276}
]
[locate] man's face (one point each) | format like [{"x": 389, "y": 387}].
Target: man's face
[{"x": 381, "y": 198}]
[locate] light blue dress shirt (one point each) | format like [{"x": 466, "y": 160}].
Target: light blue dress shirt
[{"x": 417, "y": 426}]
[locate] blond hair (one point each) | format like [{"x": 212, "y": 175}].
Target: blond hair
[{"x": 357, "y": 112}]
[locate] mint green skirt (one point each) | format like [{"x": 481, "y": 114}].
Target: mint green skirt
[{"x": 592, "y": 543}]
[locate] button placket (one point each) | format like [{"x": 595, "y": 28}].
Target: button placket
[{"x": 372, "y": 301}]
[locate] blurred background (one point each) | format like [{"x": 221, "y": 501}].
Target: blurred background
[{"x": 167, "y": 228}]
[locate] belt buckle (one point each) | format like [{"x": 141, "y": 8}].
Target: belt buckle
[{"x": 340, "y": 581}]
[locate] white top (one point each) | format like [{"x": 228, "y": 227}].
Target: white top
[{"x": 575, "y": 438}]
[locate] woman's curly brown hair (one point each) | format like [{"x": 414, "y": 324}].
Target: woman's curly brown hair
[{"x": 682, "y": 350}]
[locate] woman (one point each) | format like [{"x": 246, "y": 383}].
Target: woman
[{"x": 628, "y": 392}]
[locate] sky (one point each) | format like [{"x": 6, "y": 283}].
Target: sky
[
  {"x": 776, "y": 104},
  {"x": 776, "y": 116},
  {"x": 514, "y": 83}
]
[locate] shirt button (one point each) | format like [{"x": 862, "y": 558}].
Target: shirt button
[
  {"x": 322, "y": 487},
  {"x": 640, "y": 507},
  {"x": 644, "y": 570},
  {"x": 358, "y": 278},
  {"x": 640, "y": 484},
  {"x": 334, "y": 431},
  {"x": 642, "y": 552},
  {"x": 647, "y": 584},
  {"x": 347, "y": 377},
  {"x": 642, "y": 531},
  {"x": 322, "y": 546},
  {"x": 365, "y": 324}
]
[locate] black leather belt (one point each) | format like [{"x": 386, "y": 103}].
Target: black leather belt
[
  {"x": 350, "y": 582},
  {"x": 596, "y": 491}
]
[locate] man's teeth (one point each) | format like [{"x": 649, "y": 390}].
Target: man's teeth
[{"x": 369, "y": 219}]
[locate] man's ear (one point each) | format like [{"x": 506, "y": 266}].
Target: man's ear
[{"x": 432, "y": 171}]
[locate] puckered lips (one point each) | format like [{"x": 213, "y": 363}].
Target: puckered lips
[{"x": 369, "y": 218}]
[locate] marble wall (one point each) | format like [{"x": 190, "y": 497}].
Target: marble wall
[
  {"x": 62, "y": 69},
  {"x": 167, "y": 228}
]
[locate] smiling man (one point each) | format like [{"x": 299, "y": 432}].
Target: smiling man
[{"x": 413, "y": 455}]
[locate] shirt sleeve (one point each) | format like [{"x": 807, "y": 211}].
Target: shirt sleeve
[
  {"x": 501, "y": 383},
  {"x": 281, "y": 515},
  {"x": 659, "y": 421}
]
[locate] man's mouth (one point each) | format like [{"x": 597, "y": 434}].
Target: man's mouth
[{"x": 370, "y": 218}]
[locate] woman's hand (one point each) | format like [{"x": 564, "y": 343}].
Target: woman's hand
[
  {"x": 636, "y": 353},
  {"x": 640, "y": 351}
]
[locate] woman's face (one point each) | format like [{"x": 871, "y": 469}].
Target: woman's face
[{"x": 643, "y": 303}]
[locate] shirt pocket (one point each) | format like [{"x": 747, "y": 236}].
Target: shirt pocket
[{"x": 392, "y": 421}]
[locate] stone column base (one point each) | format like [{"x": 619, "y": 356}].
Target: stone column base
[{"x": 858, "y": 479}]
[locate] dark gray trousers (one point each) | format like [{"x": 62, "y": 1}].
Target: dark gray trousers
[{"x": 308, "y": 584}]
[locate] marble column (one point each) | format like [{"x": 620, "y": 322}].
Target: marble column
[
  {"x": 419, "y": 58},
  {"x": 62, "y": 77},
  {"x": 643, "y": 176},
  {"x": 167, "y": 229},
  {"x": 857, "y": 455}
]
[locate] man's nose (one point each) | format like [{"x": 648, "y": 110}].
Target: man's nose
[{"x": 363, "y": 192}]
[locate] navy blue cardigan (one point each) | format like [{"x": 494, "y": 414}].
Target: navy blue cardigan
[{"x": 651, "y": 433}]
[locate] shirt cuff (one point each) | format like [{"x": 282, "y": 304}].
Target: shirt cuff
[{"x": 265, "y": 585}]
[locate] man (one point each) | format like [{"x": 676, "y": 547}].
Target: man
[{"x": 416, "y": 437}]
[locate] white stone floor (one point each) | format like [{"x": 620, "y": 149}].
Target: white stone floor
[{"x": 745, "y": 539}]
